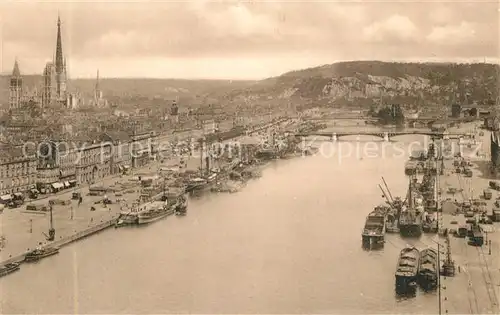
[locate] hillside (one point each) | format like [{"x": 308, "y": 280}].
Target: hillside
[
  {"x": 366, "y": 82},
  {"x": 120, "y": 90},
  {"x": 341, "y": 84}
]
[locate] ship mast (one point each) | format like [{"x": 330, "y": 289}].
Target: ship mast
[
  {"x": 385, "y": 195},
  {"x": 388, "y": 191},
  {"x": 410, "y": 195}
]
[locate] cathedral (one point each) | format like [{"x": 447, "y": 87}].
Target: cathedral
[
  {"x": 53, "y": 92},
  {"x": 54, "y": 76}
]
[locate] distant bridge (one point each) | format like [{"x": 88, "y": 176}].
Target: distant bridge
[
  {"x": 386, "y": 136},
  {"x": 409, "y": 121}
]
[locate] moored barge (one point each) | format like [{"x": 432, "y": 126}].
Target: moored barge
[
  {"x": 374, "y": 229},
  {"x": 9, "y": 268},
  {"x": 407, "y": 270},
  {"x": 428, "y": 273}
]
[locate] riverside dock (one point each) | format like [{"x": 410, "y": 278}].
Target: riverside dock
[
  {"x": 68, "y": 240},
  {"x": 24, "y": 230}
]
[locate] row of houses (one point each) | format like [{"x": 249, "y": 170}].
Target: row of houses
[{"x": 54, "y": 164}]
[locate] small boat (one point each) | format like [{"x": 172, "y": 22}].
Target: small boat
[
  {"x": 127, "y": 218},
  {"x": 407, "y": 269},
  {"x": 181, "y": 206},
  {"x": 9, "y": 268},
  {"x": 39, "y": 253},
  {"x": 428, "y": 273}
]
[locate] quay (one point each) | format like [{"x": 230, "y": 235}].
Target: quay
[
  {"x": 24, "y": 231},
  {"x": 68, "y": 239}
]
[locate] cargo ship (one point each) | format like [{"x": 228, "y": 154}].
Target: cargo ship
[
  {"x": 411, "y": 168},
  {"x": 407, "y": 270},
  {"x": 171, "y": 202},
  {"x": 410, "y": 223},
  {"x": 154, "y": 211},
  {"x": 430, "y": 223},
  {"x": 374, "y": 230},
  {"x": 428, "y": 273},
  {"x": 39, "y": 253},
  {"x": 9, "y": 268},
  {"x": 200, "y": 184},
  {"x": 410, "y": 217}
]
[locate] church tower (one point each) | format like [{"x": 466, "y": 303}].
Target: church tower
[
  {"x": 98, "y": 92},
  {"x": 60, "y": 65},
  {"x": 15, "y": 87}
]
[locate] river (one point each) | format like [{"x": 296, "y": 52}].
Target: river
[{"x": 290, "y": 242}]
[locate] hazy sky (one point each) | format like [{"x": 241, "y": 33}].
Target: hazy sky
[{"x": 242, "y": 40}]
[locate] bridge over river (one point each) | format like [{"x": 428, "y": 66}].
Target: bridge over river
[
  {"x": 420, "y": 121},
  {"x": 385, "y": 135}
]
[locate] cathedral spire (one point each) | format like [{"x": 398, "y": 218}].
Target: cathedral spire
[
  {"x": 16, "y": 72},
  {"x": 59, "y": 52}
]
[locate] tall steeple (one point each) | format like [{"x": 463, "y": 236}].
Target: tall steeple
[
  {"x": 59, "y": 52},
  {"x": 97, "y": 81},
  {"x": 16, "y": 73}
]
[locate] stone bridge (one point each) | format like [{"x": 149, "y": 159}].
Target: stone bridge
[{"x": 385, "y": 135}]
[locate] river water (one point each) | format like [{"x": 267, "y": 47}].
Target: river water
[{"x": 290, "y": 242}]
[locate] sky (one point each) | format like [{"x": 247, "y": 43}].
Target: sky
[{"x": 241, "y": 40}]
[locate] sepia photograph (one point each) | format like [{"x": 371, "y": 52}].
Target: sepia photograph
[{"x": 250, "y": 157}]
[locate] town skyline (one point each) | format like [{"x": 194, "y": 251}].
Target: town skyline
[{"x": 242, "y": 41}]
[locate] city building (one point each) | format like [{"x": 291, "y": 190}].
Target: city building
[
  {"x": 93, "y": 162},
  {"x": 67, "y": 159},
  {"x": 15, "y": 88},
  {"x": 495, "y": 151},
  {"x": 174, "y": 112},
  {"x": 121, "y": 157},
  {"x": 142, "y": 148},
  {"x": 17, "y": 170}
]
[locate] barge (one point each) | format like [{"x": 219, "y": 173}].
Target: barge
[
  {"x": 428, "y": 273},
  {"x": 374, "y": 229},
  {"x": 407, "y": 270},
  {"x": 9, "y": 268}
]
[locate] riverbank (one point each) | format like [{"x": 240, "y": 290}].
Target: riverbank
[
  {"x": 25, "y": 231},
  {"x": 475, "y": 287}
]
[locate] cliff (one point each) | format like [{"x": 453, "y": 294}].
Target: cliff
[{"x": 368, "y": 82}]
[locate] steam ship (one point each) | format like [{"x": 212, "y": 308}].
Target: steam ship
[
  {"x": 154, "y": 211},
  {"x": 40, "y": 253},
  {"x": 410, "y": 217}
]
